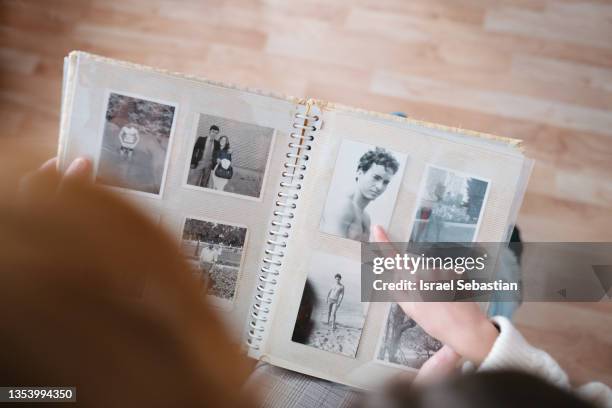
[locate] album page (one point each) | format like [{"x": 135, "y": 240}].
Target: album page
[
  {"x": 421, "y": 182},
  {"x": 202, "y": 158}
]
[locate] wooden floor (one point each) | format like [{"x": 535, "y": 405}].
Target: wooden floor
[{"x": 538, "y": 70}]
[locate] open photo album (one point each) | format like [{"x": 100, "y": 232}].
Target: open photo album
[{"x": 270, "y": 197}]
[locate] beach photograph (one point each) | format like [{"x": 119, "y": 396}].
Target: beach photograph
[{"x": 331, "y": 314}]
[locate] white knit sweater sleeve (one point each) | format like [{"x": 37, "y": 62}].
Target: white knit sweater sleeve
[{"x": 511, "y": 351}]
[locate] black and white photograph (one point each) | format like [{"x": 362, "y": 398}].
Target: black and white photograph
[
  {"x": 215, "y": 252},
  {"x": 403, "y": 343},
  {"x": 229, "y": 156},
  {"x": 135, "y": 143},
  {"x": 363, "y": 190},
  {"x": 450, "y": 207},
  {"x": 331, "y": 314}
]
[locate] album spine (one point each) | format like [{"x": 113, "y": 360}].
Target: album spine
[{"x": 306, "y": 122}]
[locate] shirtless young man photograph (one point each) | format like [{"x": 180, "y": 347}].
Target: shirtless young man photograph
[
  {"x": 334, "y": 300},
  {"x": 346, "y": 216}
]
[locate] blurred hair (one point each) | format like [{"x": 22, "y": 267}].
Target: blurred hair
[
  {"x": 94, "y": 295},
  {"x": 500, "y": 389}
]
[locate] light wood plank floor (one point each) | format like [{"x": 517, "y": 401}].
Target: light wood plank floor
[{"x": 538, "y": 70}]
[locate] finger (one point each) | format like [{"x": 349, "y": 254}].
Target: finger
[
  {"x": 49, "y": 165},
  {"x": 80, "y": 168},
  {"x": 390, "y": 251},
  {"x": 39, "y": 186},
  {"x": 380, "y": 235},
  {"x": 440, "y": 365},
  {"x": 78, "y": 173}
]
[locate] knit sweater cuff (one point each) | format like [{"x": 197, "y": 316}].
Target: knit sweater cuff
[{"x": 511, "y": 351}]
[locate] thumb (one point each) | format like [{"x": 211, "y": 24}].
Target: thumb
[{"x": 440, "y": 365}]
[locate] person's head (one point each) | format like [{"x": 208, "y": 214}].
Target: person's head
[
  {"x": 213, "y": 131},
  {"x": 338, "y": 277},
  {"x": 374, "y": 172},
  {"x": 502, "y": 389},
  {"x": 224, "y": 143}
]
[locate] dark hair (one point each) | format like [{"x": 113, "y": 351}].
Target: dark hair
[
  {"x": 502, "y": 389},
  {"x": 214, "y": 127},
  {"x": 227, "y": 145},
  {"x": 378, "y": 156},
  {"x": 338, "y": 276}
]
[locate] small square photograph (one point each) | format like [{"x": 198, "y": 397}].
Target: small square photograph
[
  {"x": 363, "y": 190},
  {"x": 229, "y": 156},
  {"x": 215, "y": 252},
  {"x": 450, "y": 207},
  {"x": 135, "y": 143},
  {"x": 403, "y": 343},
  {"x": 331, "y": 315}
]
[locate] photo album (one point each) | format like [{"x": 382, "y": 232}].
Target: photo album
[{"x": 270, "y": 198}]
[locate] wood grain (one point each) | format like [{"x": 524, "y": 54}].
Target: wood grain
[{"x": 538, "y": 70}]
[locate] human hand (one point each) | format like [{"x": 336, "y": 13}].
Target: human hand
[
  {"x": 40, "y": 183},
  {"x": 462, "y": 326}
]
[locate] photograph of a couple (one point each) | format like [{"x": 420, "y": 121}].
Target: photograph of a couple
[
  {"x": 229, "y": 156},
  {"x": 331, "y": 315}
]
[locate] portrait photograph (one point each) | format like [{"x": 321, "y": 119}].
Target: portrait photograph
[
  {"x": 331, "y": 314},
  {"x": 404, "y": 343},
  {"x": 229, "y": 156},
  {"x": 215, "y": 253},
  {"x": 450, "y": 207},
  {"x": 135, "y": 143},
  {"x": 363, "y": 190}
]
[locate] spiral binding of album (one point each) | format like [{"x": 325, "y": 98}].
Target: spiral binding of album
[{"x": 307, "y": 120}]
